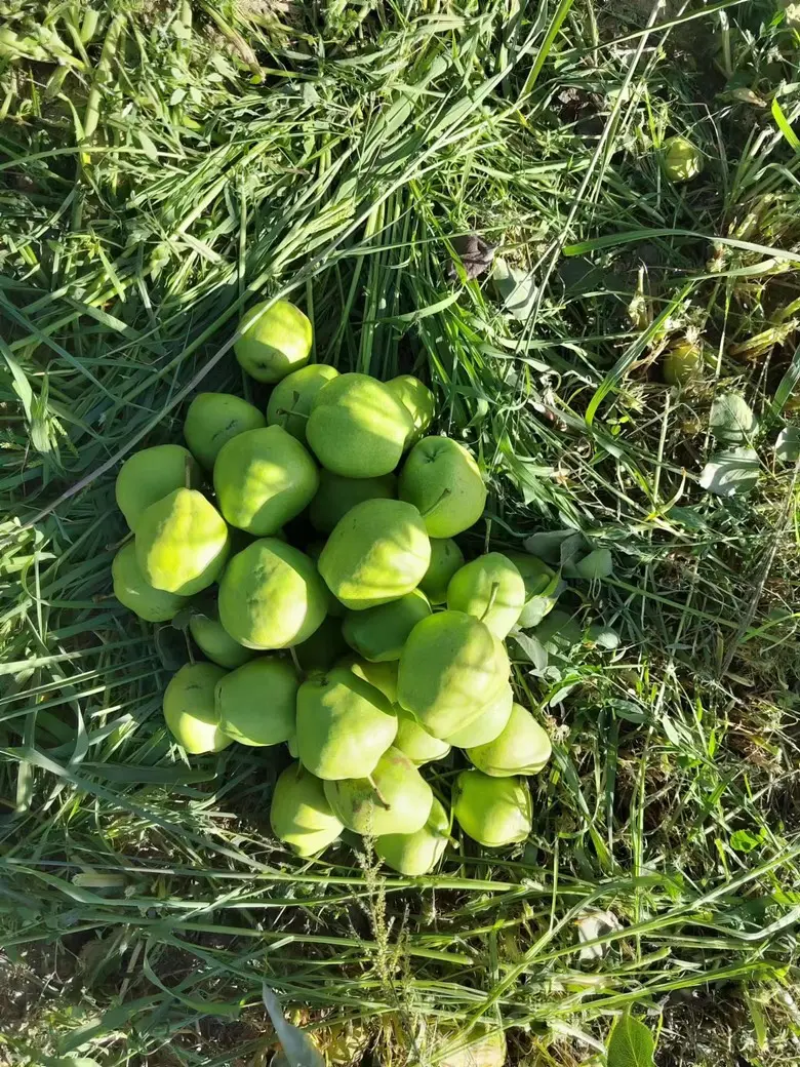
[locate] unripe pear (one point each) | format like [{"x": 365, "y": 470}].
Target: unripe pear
[
  {"x": 492, "y": 811},
  {"x": 182, "y": 543},
  {"x": 189, "y": 709},
  {"x": 337, "y": 495},
  {"x": 446, "y": 559},
  {"x": 132, "y": 589},
  {"x": 256, "y": 703},
  {"x": 213, "y": 419},
  {"x": 379, "y": 633},
  {"x": 394, "y": 799},
  {"x": 216, "y": 643},
  {"x": 291, "y": 400},
  {"x": 489, "y": 724},
  {"x": 151, "y": 474},
  {"x": 418, "y": 401},
  {"x": 418, "y": 853},
  {"x": 300, "y": 813},
  {"x": 490, "y": 588},
  {"x": 415, "y": 742},
  {"x": 273, "y": 342},
  {"x": 522, "y": 747},
  {"x": 443, "y": 481}
]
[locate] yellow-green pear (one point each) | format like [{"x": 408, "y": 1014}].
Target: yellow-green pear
[
  {"x": 213, "y": 419},
  {"x": 344, "y": 725},
  {"x": 271, "y": 596},
  {"x": 378, "y": 552},
  {"x": 337, "y": 495},
  {"x": 379, "y": 634},
  {"x": 394, "y": 799},
  {"x": 446, "y": 559},
  {"x": 182, "y": 543},
  {"x": 189, "y": 709},
  {"x": 291, "y": 400},
  {"x": 300, "y": 814},
  {"x": 264, "y": 478},
  {"x": 542, "y": 588},
  {"x": 522, "y": 747},
  {"x": 418, "y": 401},
  {"x": 450, "y": 669},
  {"x": 273, "y": 342},
  {"x": 216, "y": 643},
  {"x": 443, "y": 481},
  {"x": 132, "y": 589},
  {"x": 322, "y": 650},
  {"x": 418, "y": 853},
  {"x": 256, "y": 703},
  {"x": 490, "y": 588},
  {"x": 489, "y": 724},
  {"x": 492, "y": 811},
  {"x": 415, "y": 742},
  {"x": 151, "y": 474},
  {"x": 382, "y": 675},
  {"x": 357, "y": 427}
]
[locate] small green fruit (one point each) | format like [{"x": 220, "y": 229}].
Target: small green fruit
[
  {"x": 216, "y": 643},
  {"x": 325, "y": 646},
  {"x": 492, "y": 811},
  {"x": 417, "y": 854},
  {"x": 683, "y": 363},
  {"x": 522, "y": 747},
  {"x": 379, "y": 634},
  {"x": 264, "y": 478},
  {"x": 541, "y": 588},
  {"x": 189, "y": 709},
  {"x": 150, "y": 475},
  {"x": 291, "y": 400},
  {"x": 271, "y": 596},
  {"x": 450, "y": 669},
  {"x": 182, "y": 543},
  {"x": 213, "y": 419},
  {"x": 443, "y": 481},
  {"x": 344, "y": 725},
  {"x": 415, "y": 742},
  {"x": 446, "y": 558},
  {"x": 256, "y": 703},
  {"x": 382, "y": 675},
  {"x": 418, "y": 401},
  {"x": 275, "y": 343},
  {"x": 132, "y": 589},
  {"x": 490, "y": 588},
  {"x": 301, "y": 816},
  {"x": 337, "y": 495},
  {"x": 682, "y": 160},
  {"x": 395, "y": 799},
  {"x": 489, "y": 724},
  {"x": 357, "y": 427},
  {"x": 378, "y": 552}
]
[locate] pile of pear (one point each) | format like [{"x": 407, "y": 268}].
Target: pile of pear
[{"x": 371, "y": 649}]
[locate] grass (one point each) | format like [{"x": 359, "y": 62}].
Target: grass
[{"x": 164, "y": 164}]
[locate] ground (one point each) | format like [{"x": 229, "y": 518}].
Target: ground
[{"x": 164, "y": 164}]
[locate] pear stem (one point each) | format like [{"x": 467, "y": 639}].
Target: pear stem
[
  {"x": 444, "y": 493},
  {"x": 381, "y": 797},
  {"x": 294, "y": 414},
  {"x": 492, "y": 597},
  {"x": 296, "y": 661},
  {"x": 187, "y": 473}
]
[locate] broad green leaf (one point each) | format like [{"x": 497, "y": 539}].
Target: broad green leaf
[
  {"x": 733, "y": 472},
  {"x": 732, "y": 419},
  {"x": 598, "y": 564},
  {"x": 532, "y": 649},
  {"x": 516, "y": 288},
  {"x": 744, "y": 841},
  {"x": 630, "y": 1045},
  {"x": 787, "y": 447}
]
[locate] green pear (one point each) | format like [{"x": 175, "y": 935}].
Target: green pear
[
  {"x": 301, "y": 816},
  {"x": 394, "y": 799},
  {"x": 418, "y": 853},
  {"x": 382, "y": 675},
  {"x": 213, "y": 419},
  {"x": 415, "y": 742},
  {"x": 446, "y": 559},
  {"x": 264, "y": 478},
  {"x": 132, "y": 589},
  {"x": 450, "y": 669},
  {"x": 273, "y": 342},
  {"x": 322, "y": 650},
  {"x": 256, "y": 703},
  {"x": 492, "y": 811},
  {"x": 216, "y": 643},
  {"x": 443, "y": 481},
  {"x": 337, "y": 495},
  {"x": 271, "y": 596},
  {"x": 291, "y": 400},
  {"x": 490, "y": 588},
  {"x": 542, "y": 587},
  {"x": 357, "y": 427},
  {"x": 378, "y": 552},
  {"x": 418, "y": 401},
  {"x": 189, "y": 709},
  {"x": 344, "y": 725},
  {"x": 489, "y": 724},
  {"x": 151, "y": 474},
  {"x": 182, "y": 543},
  {"x": 522, "y": 747},
  {"x": 379, "y": 633}
]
